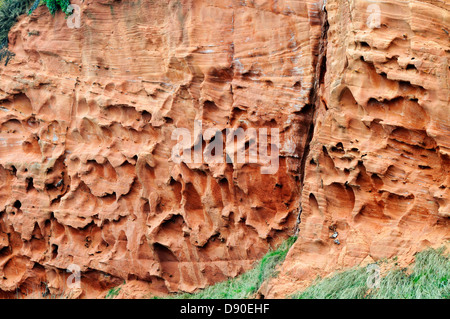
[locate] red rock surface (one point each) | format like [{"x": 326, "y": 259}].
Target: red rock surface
[
  {"x": 85, "y": 128},
  {"x": 87, "y": 116},
  {"x": 378, "y": 172}
]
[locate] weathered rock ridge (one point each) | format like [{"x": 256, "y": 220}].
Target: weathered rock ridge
[
  {"x": 86, "y": 123},
  {"x": 378, "y": 171},
  {"x": 86, "y": 129}
]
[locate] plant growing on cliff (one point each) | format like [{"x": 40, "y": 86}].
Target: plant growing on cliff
[
  {"x": 429, "y": 277},
  {"x": 54, "y": 5},
  {"x": 34, "y": 6},
  {"x": 113, "y": 292},
  {"x": 10, "y": 10}
]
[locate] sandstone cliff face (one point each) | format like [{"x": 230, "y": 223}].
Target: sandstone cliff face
[
  {"x": 87, "y": 117},
  {"x": 378, "y": 169}
]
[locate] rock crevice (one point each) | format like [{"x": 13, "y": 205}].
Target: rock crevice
[
  {"x": 377, "y": 173},
  {"x": 86, "y": 128}
]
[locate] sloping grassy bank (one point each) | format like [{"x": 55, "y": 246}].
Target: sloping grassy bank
[{"x": 427, "y": 278}]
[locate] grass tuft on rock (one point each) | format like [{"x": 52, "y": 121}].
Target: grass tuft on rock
[{"x": 427, "y": 278}]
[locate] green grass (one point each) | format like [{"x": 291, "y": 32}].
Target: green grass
[
  {"x": 247, "y": 284},
  {"x": 55, "y": 5},
  {"x": 428, "y": 278},
  {"x": 113, "y": 292},
  {"x": 38, "y": 292}
]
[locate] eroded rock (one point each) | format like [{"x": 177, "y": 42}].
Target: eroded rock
[
  {"x": 86, "y": 129},
  {"x": 378, "y": 169}
]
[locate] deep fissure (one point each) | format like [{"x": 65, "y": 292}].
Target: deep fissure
[{"x": 314, "y": 102}]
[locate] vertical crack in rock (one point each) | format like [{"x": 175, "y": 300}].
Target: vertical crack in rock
[
  {"x": 314, "y": 99},
  {"x": 86, "y": 175},
  {"x": 376, "y": 182}
]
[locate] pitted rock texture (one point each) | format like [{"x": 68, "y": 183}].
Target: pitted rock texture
[
  {"x": 378, "y": 170},
  {"x": 86, "y": 122}
]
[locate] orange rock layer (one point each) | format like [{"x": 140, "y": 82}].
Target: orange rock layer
[
  {"x": 378, "y": 173},
  {"x": 86, "y": 123}
]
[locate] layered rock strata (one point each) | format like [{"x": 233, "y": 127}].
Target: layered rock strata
[
  {"x": 377, "y": 175},
  {"x": 86, "y": 122}
]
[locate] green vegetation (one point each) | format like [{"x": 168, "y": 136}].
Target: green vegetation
[
  {"x": 10, "y": 10},
  {"x": 428, "y": 278},
  {"x": 247, "y": 284},
  {"x": 36, "y": 4},
  {"x": 349, "y": 284},
  {"x": 54, "y": 5}
]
